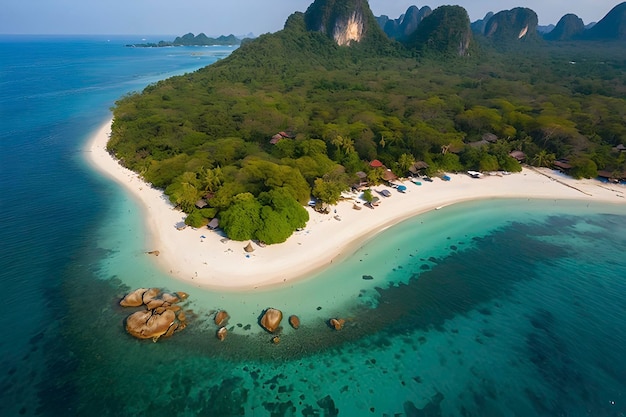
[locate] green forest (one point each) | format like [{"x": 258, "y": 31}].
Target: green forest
[{"x": 206, "y": 135}]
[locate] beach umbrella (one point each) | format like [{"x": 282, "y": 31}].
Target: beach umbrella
[
  {"x": 249, "y": 247},
  {"x": 402, "y": 188}
]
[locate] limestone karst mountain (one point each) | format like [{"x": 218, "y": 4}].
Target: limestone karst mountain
[
  {"x": 446, "y": 30},
  {"x": 345, "y": 21},
  {"x": 611, "y": 27},
  {"x": 517, "y": 23},
  {"x": 570, "y": 26},
  {"x": 406, "y": 24}
]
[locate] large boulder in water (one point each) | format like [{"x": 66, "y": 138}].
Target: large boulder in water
[
  {"x": 161, "y": 319},
  {"x": 149, "y": 324},
  {"x": 221, "y": 317},
  {"x": 271, "y": 319},
  {"x": 133, "y": 299},
  {"x": 150, "y": 295},
  {"x": 294, "y": 321},
  {"x": 337, "y": 324}
]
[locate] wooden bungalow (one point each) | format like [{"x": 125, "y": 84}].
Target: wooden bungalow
[
  {"x": 518, "y": 155},
  {"x": 612, "y": 177},
  {"x": 562, "y": 165},
  {"x": 389, "y": 176},
  {"x": 418, "y": 167},
  {"x": 479, "y": 144},
  {"x": 376, "y": 164},
  {"x": 490, "y": 137},
  {"x": 362, "y": 176},
  {"x": 214, "y": 223}
]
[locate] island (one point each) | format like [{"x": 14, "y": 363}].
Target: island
[
  {"x": 267, "y": 156},
  {"x": 191, "y": 40}
]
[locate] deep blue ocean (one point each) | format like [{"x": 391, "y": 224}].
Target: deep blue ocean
[{"x": 492, "y": 308}]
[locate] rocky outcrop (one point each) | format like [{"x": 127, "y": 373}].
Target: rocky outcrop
[
  {"x": 271, "y": 319},
  {"x": 569, "y": 27},
  {"x": 149, "y": 324},
  {"x": 345, "y": 21},
  {"x": 161, "y": 317},
  {"x": 133, "y": 299},
  {"x": 514, "y": 24}
]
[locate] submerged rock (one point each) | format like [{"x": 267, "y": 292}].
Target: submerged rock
[
  {"x": 294, "y": 321},
  {"x": 337, "y": 324},
  {"x": 182, "y": 295},
  {"x": 271, "y": 319},
  {"x": 221, "y": 333},
  {"x": 221, "y": 317}
]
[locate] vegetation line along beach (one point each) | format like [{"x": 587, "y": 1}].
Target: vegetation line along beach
[{"x": 206, "y": 258}]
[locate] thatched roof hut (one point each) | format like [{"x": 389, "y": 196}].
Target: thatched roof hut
[
  {"x": 519, "y": 155},
  {"x": 214, "y": 223},
  {"x": 249, "y": 247}
]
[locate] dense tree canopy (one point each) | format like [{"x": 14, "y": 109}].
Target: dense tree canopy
[{"x": 206, "y": 135}]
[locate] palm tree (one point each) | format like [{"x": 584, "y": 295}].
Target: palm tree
[{"x": 543, "y": 158}]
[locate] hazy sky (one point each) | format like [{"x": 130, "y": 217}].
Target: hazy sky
[{"x": 171, "y": 17}]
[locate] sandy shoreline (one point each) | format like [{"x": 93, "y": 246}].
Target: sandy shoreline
[{"x": 206, "y": 259}]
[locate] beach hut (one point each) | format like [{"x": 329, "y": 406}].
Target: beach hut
[
  {"x": 201, "y": 204},
  {"x": 490, "y": 137},
  {"x": 417, "y": 167},
  {"x": 389, "y": 176},
  {"x": 518, "y": 155},
  {"x": 362, "y": 176},
  {"x": 562, "y": 165},
  {"x": 249, "y": 247},
  {"x": 214, "y": 223}
]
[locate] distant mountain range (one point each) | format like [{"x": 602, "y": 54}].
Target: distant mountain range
[
  {"x": 518, "y": 23},
  {"x": 191, "y": 40}
]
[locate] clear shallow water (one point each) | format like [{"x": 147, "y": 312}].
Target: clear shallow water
[{"x": 511, "y": 308}]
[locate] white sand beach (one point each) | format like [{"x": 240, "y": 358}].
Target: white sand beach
[{"x": 207, "y": 259}]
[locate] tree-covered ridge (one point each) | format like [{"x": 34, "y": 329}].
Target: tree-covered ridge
[{"x": 206, "y": 135}]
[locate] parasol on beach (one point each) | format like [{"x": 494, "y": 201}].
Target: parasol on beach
[{"x": 249, "y": 248}]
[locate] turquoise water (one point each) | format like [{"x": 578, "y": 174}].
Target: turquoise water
[{"x": 494, "y": 308}]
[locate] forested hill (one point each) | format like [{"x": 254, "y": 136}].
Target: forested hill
[
  {"x": 293, "y": 114},
  {"x": 191, "y": 40}
]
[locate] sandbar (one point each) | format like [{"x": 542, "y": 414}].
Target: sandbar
[{"x": 207, "y": 259}]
